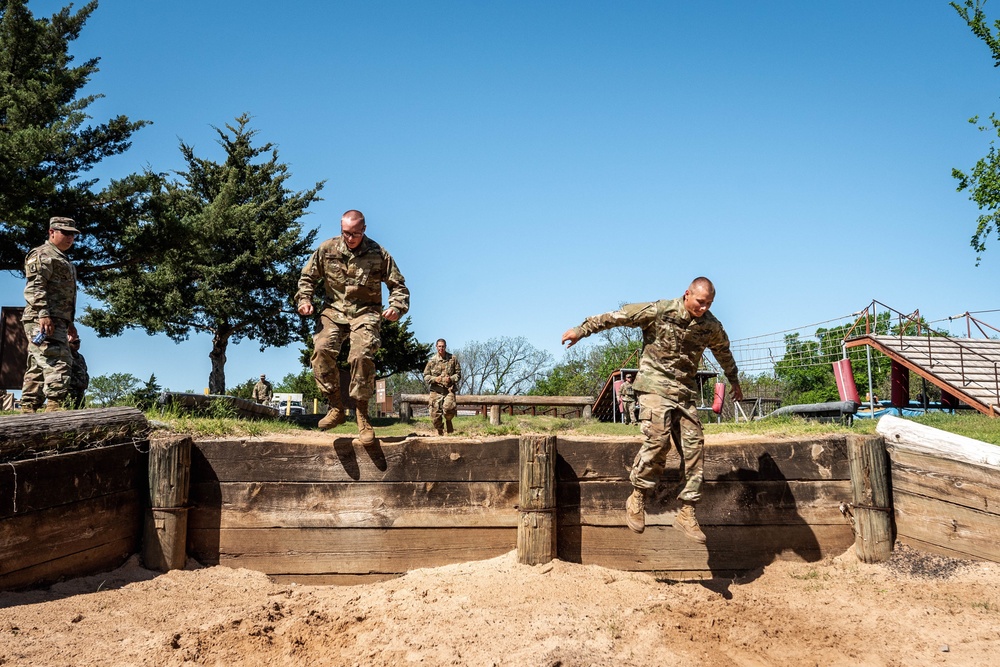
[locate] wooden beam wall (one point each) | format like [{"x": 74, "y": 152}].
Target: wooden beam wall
[
  {"x": 70, "y": 515},
  {"x": 337, "y": 512}
]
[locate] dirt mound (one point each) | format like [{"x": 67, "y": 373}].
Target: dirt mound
[{"x": 913, "y": 610}]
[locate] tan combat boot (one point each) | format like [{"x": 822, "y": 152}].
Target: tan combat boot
[
  {"x": 448, "y": 426},
  {"x": 334, "y": 418},
  {"x": 53, "y": 406},
  {"x": 635, "y": 511},
  {"x": 366, "y": 434},
  {"x": 28, "y": 409},
  {"x": 687, "y": 523},
  {"x": 440, "y": 430}
]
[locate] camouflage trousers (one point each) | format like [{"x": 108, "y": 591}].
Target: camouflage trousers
[
  {"x": 662, "y": 419},
  {"x": 362, "y": 334},
  {"x": 628, "y": 411},
  {"x": 443, "y": 406},
  {"x": 50, "y": 365}
]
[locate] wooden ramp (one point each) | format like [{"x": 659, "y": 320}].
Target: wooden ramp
[{"x": 967, "y": 368}]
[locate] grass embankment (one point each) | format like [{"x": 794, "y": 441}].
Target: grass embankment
[{"x": 972, "y": 425}]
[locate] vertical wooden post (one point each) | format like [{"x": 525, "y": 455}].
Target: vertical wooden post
[
  {"x": 536, "y": 528},
  {"x": 164, "y": 541},
  {"x": 872, "y": 497},
  {"x": 405, "y": 412},
  {"x": 495, "y": 415}
]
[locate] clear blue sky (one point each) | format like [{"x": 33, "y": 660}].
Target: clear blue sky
[{"x": 532, "y": 163}]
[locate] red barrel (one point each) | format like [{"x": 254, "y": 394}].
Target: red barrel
[
  {"x": 845, "y": 381},
  {"x": 720, "y": 397}
]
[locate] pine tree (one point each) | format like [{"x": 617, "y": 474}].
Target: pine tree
[
  {"x": 235, "y": 267},
  {"x": 48, "y": 147}
]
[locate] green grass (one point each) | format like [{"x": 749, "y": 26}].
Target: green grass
[
  {"x": 221, "y": 423},
  {"x": 975, "y": 426}
]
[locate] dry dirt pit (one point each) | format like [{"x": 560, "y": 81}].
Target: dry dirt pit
[{"x": 915, "y": 609}]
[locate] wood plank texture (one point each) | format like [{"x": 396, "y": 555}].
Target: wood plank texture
[
  {"x": 33, "y": 485},
  {"x": 723, "y": 503},
  {"x": 347, "y": 550},
  {"x": 813, "y": 458},
  {"x": 960, "y": 482},
  {"x": 27, "y": 436},
  {"x": 31, "y": 539},
  {"x": 353, "y": 505},
  {"x": 963, "y": 531},
  {"x": 412, "y": 459},
  {"x": 99, "y": 558},
  {"x": 728, "y": 549}
]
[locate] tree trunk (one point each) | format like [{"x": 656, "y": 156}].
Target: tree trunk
[{"x": 217, "y": 378}]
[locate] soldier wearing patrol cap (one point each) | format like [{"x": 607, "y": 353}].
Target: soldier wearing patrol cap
[
  {"x": 263, "y": 392},
  {"x": 48, "y": 320}
]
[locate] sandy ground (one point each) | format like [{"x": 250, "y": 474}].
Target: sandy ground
[{"x": 916, "y": 609}]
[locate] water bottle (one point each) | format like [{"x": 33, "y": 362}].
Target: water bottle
[{"x": 38, "y": 337}]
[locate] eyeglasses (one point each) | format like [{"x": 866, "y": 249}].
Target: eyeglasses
[{"x": 351, "y": 235}]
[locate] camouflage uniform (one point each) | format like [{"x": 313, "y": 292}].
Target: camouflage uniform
[
  {"x": 673, "y": 343},
  {"x": 50, "y": 292},
  {"x": 352, "y": 310},
  {"x": 263, "y": 392},
  {"x": 442, "y": 396},
  {"x": 79, "y": 380},
  {"x": 627, "y": 392}
]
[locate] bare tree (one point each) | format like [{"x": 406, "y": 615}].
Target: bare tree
[{"x": 501, "y": 366}]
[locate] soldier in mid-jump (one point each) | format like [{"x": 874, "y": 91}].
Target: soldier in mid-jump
[
  {"x": 675, "y": 333},
  {"x": 351, "y": 269}
]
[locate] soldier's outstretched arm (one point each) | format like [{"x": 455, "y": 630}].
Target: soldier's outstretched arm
[{"x": 572, "y": 336}]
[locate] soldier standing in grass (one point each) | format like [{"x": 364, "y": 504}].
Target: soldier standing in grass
[
  {"x": 442, "y": 375},
  {"x": 351, "y": 268},
  {"x": 675, "y": 333},
  {"x": 627, "y": 392},
  {"x": 48, "y": 320},
  {"x": 263, "y": 392}
]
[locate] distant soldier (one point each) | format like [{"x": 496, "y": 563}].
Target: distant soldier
[
  {"x": 263, "y": 392},
  {"x": 627, "y": 393},
  {"x": 351, "y": 269},
  {"x": 80, "y": 379},
  {"x": 442, "y": 375},
  {"x": 675, "y": 333},
  {"x": 48, "y": 320}
]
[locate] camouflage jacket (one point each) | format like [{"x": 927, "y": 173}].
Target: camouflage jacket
[
  {"x": 51, "y": 284},
  {"x": 352, "y": 280},
  {"x": 79, "y": 379},
  {"x": 627, "y": 391},
  {"x": 673, "y": 342},
  {"x": 438, "y": 366},
  {"x": 262, "y": 391}
]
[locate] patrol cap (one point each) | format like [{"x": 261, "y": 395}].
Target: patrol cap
[
  {"x": 63, "y": 224},
  {"x": 262, "y": 376}
]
